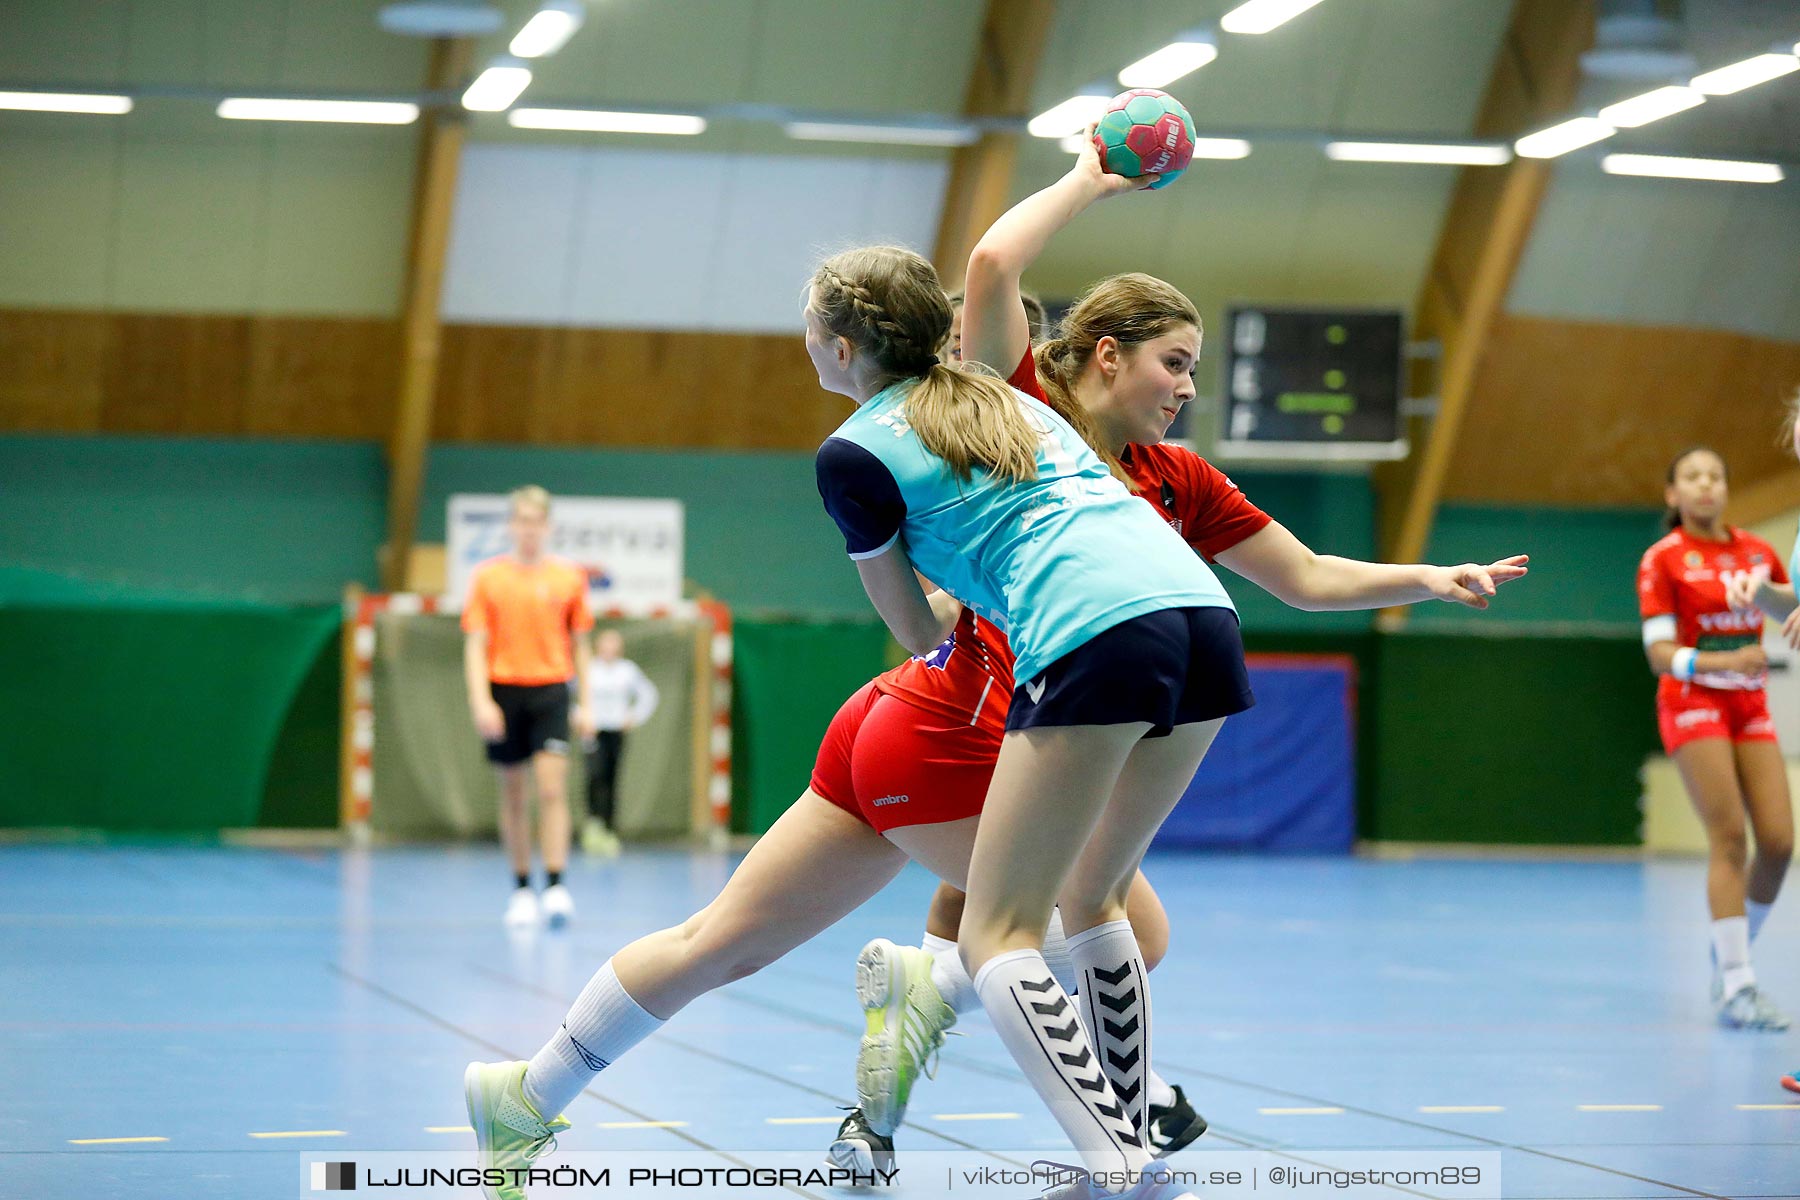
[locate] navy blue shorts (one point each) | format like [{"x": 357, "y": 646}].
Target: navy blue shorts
[{"x": 1175, "y": 666}]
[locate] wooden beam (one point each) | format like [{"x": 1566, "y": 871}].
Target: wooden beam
[
  {"x": 421, "y": 323},
  {"x": 1013, "y": 36},
  {"x": 1758, "y": 502},
  {"x": 1484, "y": 233}
]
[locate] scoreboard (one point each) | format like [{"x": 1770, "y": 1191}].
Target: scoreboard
[{"x": 1312, "y": 384}]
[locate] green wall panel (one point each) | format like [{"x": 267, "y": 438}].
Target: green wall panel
[
  {"x": 1583, "y": 561},
  {"x": 281, "y": 522},
  {"x": 789, "y": 677},
  {"x": 301, "y": 790},
  {"x": 1500, "y": 739},
  {"x": 147, "y": 718}
]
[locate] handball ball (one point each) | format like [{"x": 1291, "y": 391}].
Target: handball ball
[{"x": 1145, "y": 132}]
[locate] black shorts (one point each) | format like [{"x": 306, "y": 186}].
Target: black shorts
[
  {"x": 537, "y": 721},
  {"x": 1175, "y": 666}
]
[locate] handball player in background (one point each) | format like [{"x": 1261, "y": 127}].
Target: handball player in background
[
  {"x": 1713, "y": 714},
  {"x": 620, "y": 697},
  {"x": 526, "y": 622}
]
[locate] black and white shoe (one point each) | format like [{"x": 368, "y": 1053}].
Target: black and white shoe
[
  {"x": 859, "y": 1148},
  {"x": 1174, "y": 1126}
]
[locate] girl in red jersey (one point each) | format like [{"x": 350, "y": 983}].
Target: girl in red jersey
[
  {"x": 1714, "y": 716},
  {"x": 1119, "y": 372}
]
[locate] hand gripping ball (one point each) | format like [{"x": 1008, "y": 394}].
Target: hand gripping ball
[{"x": 1145, "y": 132}]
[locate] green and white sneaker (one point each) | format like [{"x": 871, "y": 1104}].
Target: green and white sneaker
[
  {"x": 905, "y": 1020},
  {"x": 1750, "y": 1008},
  {"x": 509, "y": 1134}
]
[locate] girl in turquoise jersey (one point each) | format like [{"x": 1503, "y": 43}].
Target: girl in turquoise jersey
[{"x": 1128, "y": 661}]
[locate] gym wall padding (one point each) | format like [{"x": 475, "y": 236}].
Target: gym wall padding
[
  {"x": 1509, "y": 739},
  {"x": 153, "y": 716},
  {"x": 1280, "y": 778},
  {"x": 789, "y": 678}
]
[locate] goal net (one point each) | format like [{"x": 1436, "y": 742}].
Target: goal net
[{"x": 413, "y": 766}]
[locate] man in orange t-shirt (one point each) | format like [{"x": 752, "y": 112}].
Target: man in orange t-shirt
[{"x": 524, "y": 618}]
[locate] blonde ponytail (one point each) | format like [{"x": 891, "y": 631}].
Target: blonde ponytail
[{"x": 973, "y": 420}]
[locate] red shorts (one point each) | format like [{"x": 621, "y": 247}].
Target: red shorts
[
  {"x": 1692, "y": 712},
  {"x": 889, "y": 764}
]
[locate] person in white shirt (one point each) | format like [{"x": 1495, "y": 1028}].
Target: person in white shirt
[{"x": 620, "y": 697}]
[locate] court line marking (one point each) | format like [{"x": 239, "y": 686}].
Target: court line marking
[
  {"x": 1479, "y": 1139},
  {"x": 1326, "y": 1110},
  {"x": 975, "y": 1116},
  {"x": 449, "y": 1129},
  {"x": 801, "y": 1120},
  {"x": 641, "y": 1125},
  {"x": 1768, "y": 1107},
  {"x": 129, "y": 1140},
  {"x": 400, "y": 1001},
  {"x": 302, "y": 1133},
  {"x": 1462, "y": 1108},
  {"x": 1618, "y": 1108}
]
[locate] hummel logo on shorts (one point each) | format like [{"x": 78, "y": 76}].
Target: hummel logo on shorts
[{"x": 1035, "y": 689}]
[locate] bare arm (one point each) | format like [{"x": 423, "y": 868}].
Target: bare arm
[
  {"x": 994, "y": 327},
  {"x": 584, "y": 658},
  {"x": 488, "y": 720},
  {"x": 1746, "y": 660},
  {"x": 917, "y": 621},
  {"x": 1285, "y": 567}
]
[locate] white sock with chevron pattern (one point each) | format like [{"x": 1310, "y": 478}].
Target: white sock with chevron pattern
[
  {"x": 1115, "y": 1007},
  {"x": 1037, "y": 1021}
]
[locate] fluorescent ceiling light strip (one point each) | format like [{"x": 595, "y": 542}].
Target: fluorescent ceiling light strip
[
  {"x": 1651, "y": 106},
  {"x": 1560, "y": 139},
  {"x": 346, "y": 112},
  {"x": 1749, "y": 73},
  {"x": 496, "y": 88},
  {"x": 1214, "y": 147},
  {"x": 1071, "y": 116},
  {"x": 1720, "y": 169},
  {"x": 584, "y": 120},
  {"x": 1419, "y": 152},
  {"x": 895, "y": 135},
  {"x": 1168, "y": 64},
  {"x": 548, "y": 31},
  {"x": 66, "y": 102},
  {"x": 1260, "y": 16}
]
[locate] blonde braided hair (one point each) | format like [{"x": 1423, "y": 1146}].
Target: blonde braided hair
[{"x": 887, "y": 302}]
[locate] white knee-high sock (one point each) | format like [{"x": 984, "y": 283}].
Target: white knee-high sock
[
  {"x": 1115, "y": 1000},
  {"x": 1037, "y": 1021},
  {"x": 952, "y": 979},
  {"x": 603, "y": 1023},
  {"x": 958, "y": 990},
  {"x": 1056, "y": 954},
  {"x": 1756, "y": 912},
  {"x": 1731, "y": 950}
]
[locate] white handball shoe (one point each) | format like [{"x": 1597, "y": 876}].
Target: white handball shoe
[
  {"x": 559, "y": 906},
  {"x": 522, "y": 909}
]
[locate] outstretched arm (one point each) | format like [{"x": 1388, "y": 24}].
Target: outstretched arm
[
  {"x": 994, "y": 329},
  {"x": 1285, "y": 567}
]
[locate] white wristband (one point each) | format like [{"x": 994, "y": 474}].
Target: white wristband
[{"x": 1683, "y": 665}]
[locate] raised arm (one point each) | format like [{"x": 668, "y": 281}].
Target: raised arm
[
  {"x": 994, "y": 329},
  {"x": 1285, "y": 567}
]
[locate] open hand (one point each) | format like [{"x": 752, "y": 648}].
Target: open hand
[
  {"x": 1790, "y": 629},
  {"x": 1472, "y": 584}
]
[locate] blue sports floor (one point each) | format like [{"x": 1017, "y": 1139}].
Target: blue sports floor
[{"x": 208, "y": 997}]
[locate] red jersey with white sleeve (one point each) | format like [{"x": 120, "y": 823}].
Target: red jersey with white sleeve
[
  {"x": 1683, "y": 578},
  {"x": 968, "y": 678}
]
